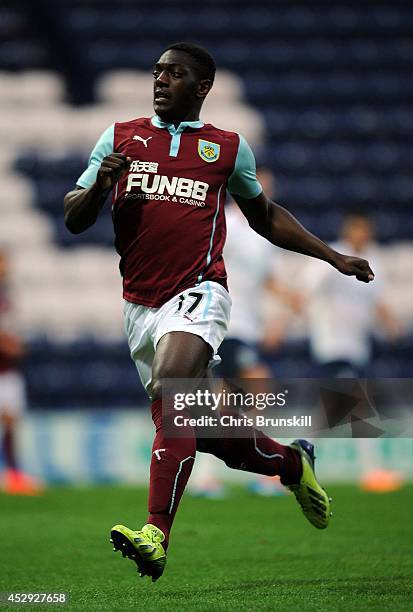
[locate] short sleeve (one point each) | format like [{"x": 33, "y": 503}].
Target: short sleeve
[
  {"x": 243, "y": 181},
  {"x": 103, "y": 147}
]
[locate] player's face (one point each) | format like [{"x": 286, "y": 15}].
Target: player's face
[
  {"x": 358, "y": 232},
  {"x": 178, "y": 92}
]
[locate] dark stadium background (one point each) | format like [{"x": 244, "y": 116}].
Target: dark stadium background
[
  {"x": 323, "y": 92},
  {"x": 332, "y": 84}
]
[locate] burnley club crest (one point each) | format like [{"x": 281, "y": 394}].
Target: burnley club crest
[{"x": 208, "y": 151}]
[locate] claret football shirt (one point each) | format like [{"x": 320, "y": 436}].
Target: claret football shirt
[{"x": 168, "y": 209}]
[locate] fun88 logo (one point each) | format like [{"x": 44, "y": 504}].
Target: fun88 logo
[{"x": 175, "y": 186}]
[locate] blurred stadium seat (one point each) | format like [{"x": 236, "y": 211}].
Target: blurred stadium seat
[{"x": 332, "y": 87}]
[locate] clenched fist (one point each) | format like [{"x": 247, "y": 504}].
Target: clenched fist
[
  {"x": 354, "y": 266},
  {"x": 112, "y": 168}
]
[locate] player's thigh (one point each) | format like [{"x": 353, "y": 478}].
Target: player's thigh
[
  {"x": 188, "y": 331},
  {"x": 179, "y": 354}
]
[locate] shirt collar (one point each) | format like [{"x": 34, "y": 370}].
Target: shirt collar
[{"x": 157, "y": 122}]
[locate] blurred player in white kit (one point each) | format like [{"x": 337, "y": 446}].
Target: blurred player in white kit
[
  {"x": 341, "y": 322},
  {"x": 12, "y": 397}
]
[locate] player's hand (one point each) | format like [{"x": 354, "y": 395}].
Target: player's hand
[
  {"x": 111, "y": 170},
  {"x": 354, "y": 266}
]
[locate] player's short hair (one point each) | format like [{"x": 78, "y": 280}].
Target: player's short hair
[
  {"x": 352, "y": 217},
  {"x": 352, "y": 214},
  {"x": 205, "y": 63}
]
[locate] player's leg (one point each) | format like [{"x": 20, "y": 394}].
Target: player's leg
[
  {"x": 374, "y": 476},
  {"x": 178, "y": 354},
  {"x": 12, "y": 407},
  {"x": 189, "y": 330},
  {"x": 143, "y": 546},
  {"x": 10, "y": 410},
  {"x": 244, "y": 447},
  {"x": 8, "y": 445},
  {"x": 293, "y": 463},
  {"x": 13, "y": 480}
]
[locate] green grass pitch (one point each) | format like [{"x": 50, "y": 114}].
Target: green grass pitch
[{"x": 241, "y": 553}]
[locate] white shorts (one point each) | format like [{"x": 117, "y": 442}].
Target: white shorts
[
  {"x": 12, "y": 393},
  {"x": 203, "y": 310}
]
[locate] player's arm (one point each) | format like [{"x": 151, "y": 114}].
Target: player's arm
[
  {"x": 280, "y": 227},
  {"x": 83, "y": 204}
]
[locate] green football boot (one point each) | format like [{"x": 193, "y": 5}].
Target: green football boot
[
  {"x": 312, "y": 498},
  {"x": 144, "y": 547}
]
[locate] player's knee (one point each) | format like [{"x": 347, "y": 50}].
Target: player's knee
[
  {"x": 159, "y": 375},
  {"x": 156, "y": 389},
  {"x": 158, "y": 384}
]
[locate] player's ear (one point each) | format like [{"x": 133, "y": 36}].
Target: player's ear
[{"x": 203, "y": 87}]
